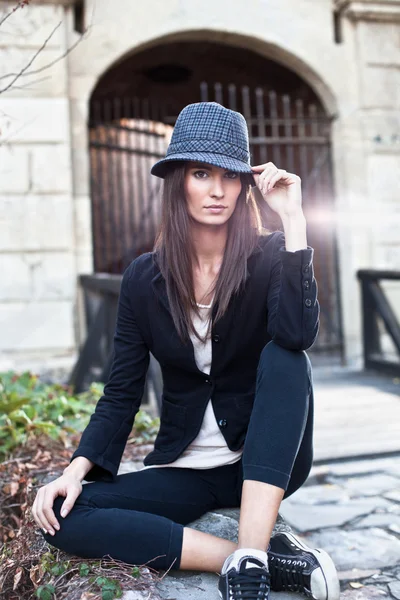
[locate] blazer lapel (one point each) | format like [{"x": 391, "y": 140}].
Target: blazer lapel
[{"x": 160, "y": 290}]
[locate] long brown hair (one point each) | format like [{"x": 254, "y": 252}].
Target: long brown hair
[{"x": 174, "y": 250}]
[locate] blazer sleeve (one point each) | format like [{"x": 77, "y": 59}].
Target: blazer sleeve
[
  {"x": 293, "y": 308},
  {"x": 104, "y": 438}
]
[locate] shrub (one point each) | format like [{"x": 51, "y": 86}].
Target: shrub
[{"x": 29, "y": 407}]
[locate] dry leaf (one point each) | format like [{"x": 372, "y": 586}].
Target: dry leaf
[
  {"x": 14, "y": 487},
  {"x": 36, "y": 573},
  {"x": 17, "y": 577},
  {"x": 356, "y": 585},
  {"x": 90, "y": 596}
]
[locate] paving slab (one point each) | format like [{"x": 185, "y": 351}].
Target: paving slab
[
  {"x": 368, "y": 485},
  {"x": 359, "y": 467},
  {"x": 304, "y": 518},
  {"x": 203, "y": 586},
  {"x": 368, "y": 549},
  {"x": 385, "y": 520},
  {"x": 319, "y": 494},
  {"x": 364, "y": 593},
  {"x": 354, "y": 574},
  {"x": 393, "y": 495},
  {"x": 395, "y": 589}
]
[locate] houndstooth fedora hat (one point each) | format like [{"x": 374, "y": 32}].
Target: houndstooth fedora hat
[{"x": 210, "y": 133}]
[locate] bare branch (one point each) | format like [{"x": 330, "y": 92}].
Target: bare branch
[
  {"x": 17, "y": 75},
  {"x": 50, "y": 64},
  {"x": 24, "y": 72},
  {"x": 20, "y": 4}
]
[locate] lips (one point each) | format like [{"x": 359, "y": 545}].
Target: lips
[{"x": 216, "y": 206}]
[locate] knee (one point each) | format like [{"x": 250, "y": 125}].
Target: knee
[
  {"x": 61, "y": 539},
  {"x": 283, "y": 360}
]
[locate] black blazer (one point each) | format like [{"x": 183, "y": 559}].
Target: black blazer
[{"x": 279, "y": 302}]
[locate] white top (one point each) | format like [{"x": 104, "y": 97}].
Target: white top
[{"x": 208, "y": 450}]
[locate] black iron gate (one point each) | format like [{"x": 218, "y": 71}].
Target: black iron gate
[{"x": 128, "y": 135}]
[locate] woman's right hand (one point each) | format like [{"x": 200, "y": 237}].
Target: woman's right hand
[{"x": 68, "y": 485}]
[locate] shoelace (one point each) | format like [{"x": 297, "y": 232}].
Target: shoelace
[
  {"x": 290, "y": 580},
  {"x": 249, "y": 585}
]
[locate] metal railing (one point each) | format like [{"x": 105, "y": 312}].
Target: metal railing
[
  {"x": 378, "y": 317},
  {"x": 101, "y": 292}
]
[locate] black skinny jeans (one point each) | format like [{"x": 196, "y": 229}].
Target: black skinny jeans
[{"x": 139, "y": 518}]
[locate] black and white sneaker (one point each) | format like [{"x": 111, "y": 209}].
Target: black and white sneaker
[
  {"x": 245, "y": 576},
  {"x": 294, "y": 567}
]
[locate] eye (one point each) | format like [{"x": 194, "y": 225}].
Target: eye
[
  {"x": 199, "y": 174},
  {"x": 231, "y": 175}
]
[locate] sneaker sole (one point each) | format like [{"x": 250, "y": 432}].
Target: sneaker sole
[{"x": 328, "y": 569}]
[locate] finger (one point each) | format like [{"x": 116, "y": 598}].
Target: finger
[
  {"x": 265, "y": 176},
  {"x": 265, "y": 181},
  {"x": 69, "y": 501},
  {"x": 261, "y": 168},
  {"x": 43, "y": 511},
  {"x": 36, "y": 510},
  {"x": 48, "y": 509},
  {"x": 283, "y": 176}
]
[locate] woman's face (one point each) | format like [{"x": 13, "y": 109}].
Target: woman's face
[{"x": 211, "y": 193}]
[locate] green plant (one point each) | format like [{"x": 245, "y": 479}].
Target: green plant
[
  {"x": 30, "y": 407},
  {"x": 145, "y": 428},
  {"x": 110, "y": 588},
  {"x": 45, "y": 592}
]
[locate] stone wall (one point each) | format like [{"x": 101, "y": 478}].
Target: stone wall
[
  {"x": 45, "y": 239},
  {"x": 368, "y": 153},
  {"x": 37, "y": 236}
]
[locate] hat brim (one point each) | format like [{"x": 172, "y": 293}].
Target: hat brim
[{"x": 160, "y": 169}]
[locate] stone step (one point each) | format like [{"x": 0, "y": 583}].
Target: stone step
[{"x": 192, "y": 585}]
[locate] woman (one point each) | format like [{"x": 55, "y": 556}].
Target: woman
[{"x": 228, "y": 310}]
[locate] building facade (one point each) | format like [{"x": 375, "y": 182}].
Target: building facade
[{"x": 342, "y": 55}]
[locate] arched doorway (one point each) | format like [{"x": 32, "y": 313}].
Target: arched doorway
[{"x": 132, "y": 111}]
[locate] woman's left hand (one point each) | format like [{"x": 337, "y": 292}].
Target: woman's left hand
[{"x": 280, "y": 189}]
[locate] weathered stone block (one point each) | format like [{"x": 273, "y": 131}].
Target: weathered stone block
[
  {"x": 375, "y": 79},
  {"x": 379, "y": 42},
  {"x": 32, "y": 25},
  {"x": 45, "y": 81},
  {"x": 14, "y": 169},
  {"x": 51, "y": 169},
  {"x": 36, "y": 223},
  {"x": 384, "y": 178},
  {"x": 83, "y": 223},
  {"x": 37, "y": 276},
  {"x": 36, "y": 326},
  {"x": 34, "y": 120}
]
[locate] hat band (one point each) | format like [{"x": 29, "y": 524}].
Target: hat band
[{"x": 207, "y": 145}]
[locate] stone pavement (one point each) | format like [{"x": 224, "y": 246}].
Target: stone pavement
[{"x": 350, "y": 509}]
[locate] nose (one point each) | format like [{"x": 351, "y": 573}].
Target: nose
[{"x": 217, "y": 188}]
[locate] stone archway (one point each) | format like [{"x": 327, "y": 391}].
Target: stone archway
[{"x": 288, "y": 123}]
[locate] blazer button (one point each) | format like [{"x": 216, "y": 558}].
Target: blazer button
[
  {"x": 222, "y": 423},
  {"x": 308, "y": 302},
  {"x": 306, "y": 285},
  {"x": 207, "y": 381},
  {"x": 216, "y": 338},
  {"x": 306, "y": 269}
]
